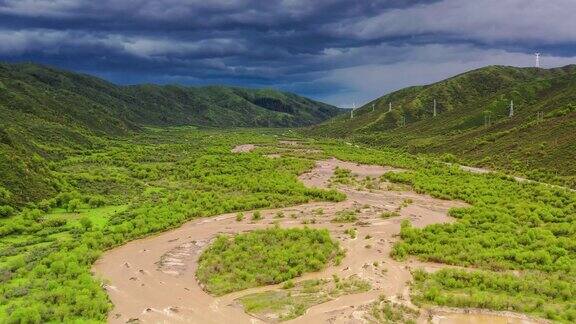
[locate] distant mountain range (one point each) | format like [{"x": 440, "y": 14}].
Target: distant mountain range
[
  {"x": 473, "y": 120},
  {"x": 83, "y": 100},
  {"x": 46, "y": 111}
]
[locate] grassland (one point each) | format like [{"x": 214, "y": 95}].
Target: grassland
[{"x": 264, "y": 257}]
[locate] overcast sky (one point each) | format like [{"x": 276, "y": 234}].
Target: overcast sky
[{"x": 333, "y": 50}]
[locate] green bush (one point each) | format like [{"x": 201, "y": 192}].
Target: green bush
[
  {"x": 345, "y": 216},
  {"x": 6, "y": 211},
  {"x": 257, "y": 215},
  {"x": 264, "y": 257}
]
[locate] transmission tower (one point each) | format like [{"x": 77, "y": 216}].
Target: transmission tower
[
  {"x": 511, "y": 114},
  {"x": 540, "y": 117},
  {"x": 487, "y": 119}
]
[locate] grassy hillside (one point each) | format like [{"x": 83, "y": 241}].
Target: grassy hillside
[
  {"x": 47, "y": 114},
  {"x": 73, "y": 98},
  {"x": 542, "y": 149}
]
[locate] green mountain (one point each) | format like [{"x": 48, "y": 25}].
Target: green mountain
[
  {"x": 473, "y": 121},
  {"x": 46, "y": 113}
]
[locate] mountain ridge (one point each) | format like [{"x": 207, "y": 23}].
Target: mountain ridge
[
  {"x": 525, "y": 144},
  {"x": 47, "y": 113}
]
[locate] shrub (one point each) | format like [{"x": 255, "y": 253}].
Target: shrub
[
  {"x": 389, "y": 214},
  {"x": 6, "y": 211},
  {"x": 85, "y": 222},
  {"x": 74, "y": 205},
  {"x": 96, "y": 201},
  {"x": 257, "y": 215},
  {"x": 345, "y": 216}
]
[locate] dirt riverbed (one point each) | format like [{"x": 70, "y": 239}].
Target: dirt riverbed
[{"x": 152, "y": 280}]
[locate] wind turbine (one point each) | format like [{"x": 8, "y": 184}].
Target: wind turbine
[{"x": 511, "y": 109}]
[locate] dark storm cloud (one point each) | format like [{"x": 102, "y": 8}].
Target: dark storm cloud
[{"x": 340, "y": 51}]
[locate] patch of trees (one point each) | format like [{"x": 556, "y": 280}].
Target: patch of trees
[{"x": 264, "y": 257}]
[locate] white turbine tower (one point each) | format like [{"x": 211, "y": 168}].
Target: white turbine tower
[
  {"x": 511, "y": 109},
  {"x": 435, "y": 108},
  {"x": 537, "y": 59},
  {"x": 390, "y": 107},
  {"x": 352, "y": 111}
]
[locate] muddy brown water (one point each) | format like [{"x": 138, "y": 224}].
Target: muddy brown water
[{"x": 152, "y": 279}]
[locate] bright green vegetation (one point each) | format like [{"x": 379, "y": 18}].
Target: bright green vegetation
[
  {"x": 342, "y": 176},
  {"x": 257, "y": 215},
  {"x": 47, "y": 114},
  {"x": 264, "y": 257},
  {"x": 352, "y": 232},
  {"x": 523, "y": 226},
  {"x": 345, "y": 177},
  {"x": 126, "y": 188},
  {"x": 161, "y": 178},
  {"x": 345, "y": 216},
  {"x": 548, "y": 295},
  {"x": 293, "y": 300},
  {"x": 385, "y": 312},
  {"x": 542, "y": 150},
  {"x": 389, "y": 214}
]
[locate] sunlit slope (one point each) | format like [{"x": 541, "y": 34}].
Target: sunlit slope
[{"x": 542, "y": 147}]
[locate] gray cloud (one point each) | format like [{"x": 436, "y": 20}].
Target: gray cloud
[
  {"x": 487, "y": 20},
  {"x": 337, "y": 50}
]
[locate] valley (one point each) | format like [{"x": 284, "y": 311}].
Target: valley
[
  {"x": 299, "y": 162},
  {"x": 402, "y": 220},
  {"x": 112, "y": 219},
  {"x": 141, "y": 289}
]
